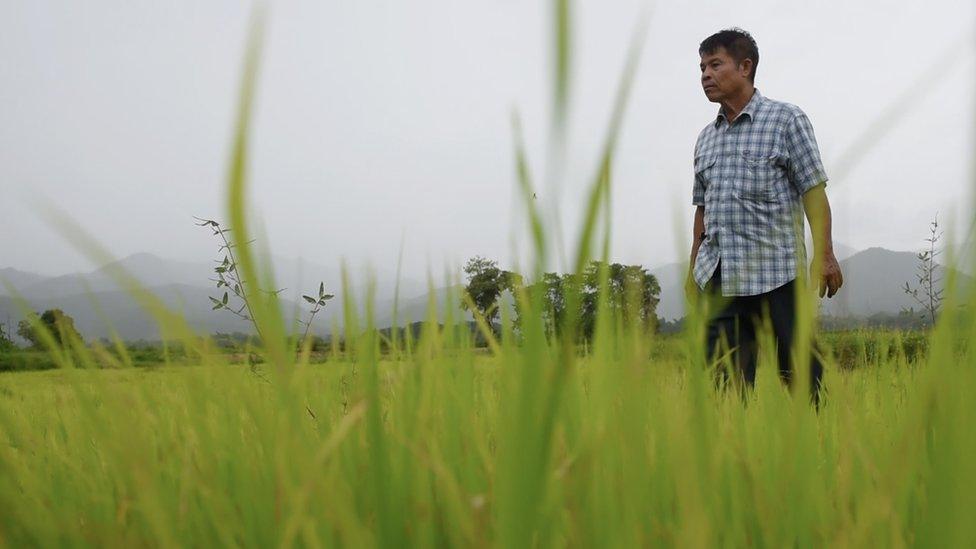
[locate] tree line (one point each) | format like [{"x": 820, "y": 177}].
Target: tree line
[{"x": 632, "y": 295}]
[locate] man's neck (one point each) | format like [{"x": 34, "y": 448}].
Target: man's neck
[{"x": 733, "y": 106}]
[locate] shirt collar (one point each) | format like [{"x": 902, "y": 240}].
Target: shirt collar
[{"x": 749, "y": 109}]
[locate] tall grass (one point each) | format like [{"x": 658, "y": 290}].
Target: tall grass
[
  {"x": 424, "y": 451},
  {"x": 532, "y": 443}
]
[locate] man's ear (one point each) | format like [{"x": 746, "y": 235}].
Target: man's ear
[{"x": 745, "y": 67}]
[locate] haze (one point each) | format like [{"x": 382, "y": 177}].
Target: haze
[{"x": 382, "y": 121}]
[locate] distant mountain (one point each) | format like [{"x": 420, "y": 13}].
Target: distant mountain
[
  {"x": 296, "y": 276},
  {"x": 18, "y": 279},
  {"x": 873, "y": 283},
  {"x": 96, "y": 315},
  {"x": 874, "y": 279},
  {"x": 184, "y": 285},
  {"x": 416, "y": 309},
  {"x": 841, "y": 250},
  {"x": 150, "y": 270}
]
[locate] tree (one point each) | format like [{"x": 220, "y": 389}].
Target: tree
[
  {"x": 486, "y": 282},
  {"x": 632, "y": 293},
  {"x": 60, "y": 326},
  {"x": 5, "y": 343},
  {"x": 552, "y": 286}
]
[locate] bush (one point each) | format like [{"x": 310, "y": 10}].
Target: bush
[
  {"x": 18, "y": 361},
  {"x": 59, "y": 326},
  {"x": 869, "y": 347},
  {"x": 6, "y": 345}
]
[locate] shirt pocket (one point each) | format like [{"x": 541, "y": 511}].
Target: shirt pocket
[
  {"x": 762, "y": 174},
  {"x": 705, "y": 169}
]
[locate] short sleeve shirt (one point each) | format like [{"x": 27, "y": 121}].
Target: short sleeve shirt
[{"x": 750, "y": 175}]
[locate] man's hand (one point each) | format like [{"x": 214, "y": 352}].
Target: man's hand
[
  {"x": 831, "y": 279},
  {"x": 817, "y": 207}
]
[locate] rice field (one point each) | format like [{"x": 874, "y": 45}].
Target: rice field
[
  {"x": 534, "y": 441},
  {"x": 446, "y": 445}
]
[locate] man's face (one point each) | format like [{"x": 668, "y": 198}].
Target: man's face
[{"x": 721, "y": 76}]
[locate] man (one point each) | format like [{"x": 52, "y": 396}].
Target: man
[{"x": 757, "y": 170}]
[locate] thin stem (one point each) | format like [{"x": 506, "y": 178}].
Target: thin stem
[
  {"x": 308, "y": 325},
  {"x": 240, "y": 283}
]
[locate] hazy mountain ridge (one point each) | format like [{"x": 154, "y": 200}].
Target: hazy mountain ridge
[
  {"x": 874, "y": 279},
  {"x": 97, "y": 314},
  {"x": 94, "y": 296},
  {"x": 296, "y": 276},
  {"x": 17, "y": 279}
]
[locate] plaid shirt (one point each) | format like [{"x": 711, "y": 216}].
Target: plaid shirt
[{"x": 750, "y": 175}]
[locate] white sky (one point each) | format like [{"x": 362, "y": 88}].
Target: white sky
[{"x": 382, "y": 118}]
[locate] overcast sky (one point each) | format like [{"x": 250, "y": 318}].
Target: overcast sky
[{"x": 377, "y": 119}]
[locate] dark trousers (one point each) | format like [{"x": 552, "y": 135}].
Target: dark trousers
[{"x": 737, "y": 321}]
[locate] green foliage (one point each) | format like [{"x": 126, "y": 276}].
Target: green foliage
[
  {"x": 631, "y": 292},
  {"x": 235, "y": 341},
  {"x": 908, "y": 319},
  {"x": 876, "y": 348},
  {"x": 199, "y": 455},
  {"x": 486, "y": 282},
  {"x": 53, "y": 322},
  {"x": 18, "y": 361},
  {"x": 6, "y": 344},
  {"x": 26, "y": 331},
  {"x": 240, "y": 293}
]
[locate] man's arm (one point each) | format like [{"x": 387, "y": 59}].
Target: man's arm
[
  {"x": 807, "y": 174},
  {"x": 696, "y": 239},
  {"x": 698, "y": 229},
  {"x": 817, "y": 209}
]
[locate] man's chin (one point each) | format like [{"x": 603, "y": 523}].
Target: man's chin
[{"x": 713, "y": 95}]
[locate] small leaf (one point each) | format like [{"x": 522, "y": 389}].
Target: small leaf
[
  {"x": 321, "y": 288},
  {"x": 309, "y": 299},
  {"x": 217, "y": 306},
  {"x": 225, "y": 298},
  {"x": 328, "y": 296},
  {"x": 221, "y": 270},
  {"x": 237, "y": 289},
  {"x": 215, "y": 300}
]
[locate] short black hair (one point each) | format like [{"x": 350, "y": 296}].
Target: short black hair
[{"x": 739, "y": 44}]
